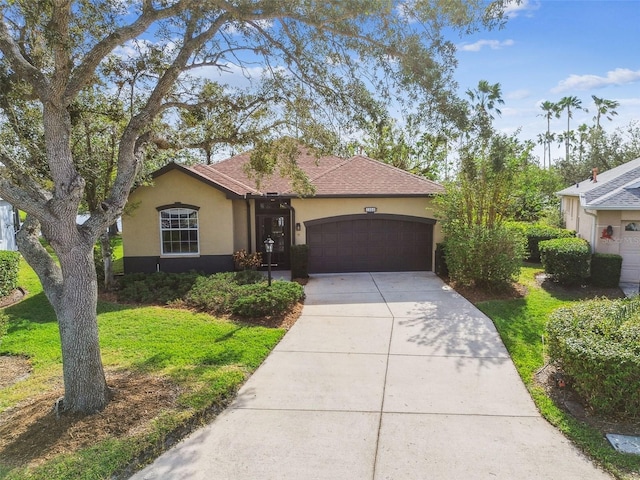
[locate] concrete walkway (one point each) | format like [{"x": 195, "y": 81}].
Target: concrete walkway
[{"x": 384, "y": 376}]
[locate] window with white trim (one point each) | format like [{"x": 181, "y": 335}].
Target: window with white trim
[{"x": 179, "y": 231}]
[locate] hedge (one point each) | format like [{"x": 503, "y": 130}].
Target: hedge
[
  {"x": 9, "y": 266},
  {"x": 536, "y": 233},
  {"x": 606, "y": 269},
  {"x": 299, "y": 261},
  {"x": 567, "y": 260},
  {"x": 597, "y": 345}
]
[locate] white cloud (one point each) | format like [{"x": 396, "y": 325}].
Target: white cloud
[
  {"x": 619, "y": 76},
  {"x": 492, "y": 44},
  {"x": 514, "y": 9}
]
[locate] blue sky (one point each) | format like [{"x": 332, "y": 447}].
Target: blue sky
[{"x": 555, "y": 48}]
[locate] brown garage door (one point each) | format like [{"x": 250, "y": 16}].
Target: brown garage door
[{"x": 370, "y": 243}]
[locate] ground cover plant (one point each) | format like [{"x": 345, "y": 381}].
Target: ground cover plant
[
  {"x": 521, "y": 323},
  {"x": 168, "y": 369}
]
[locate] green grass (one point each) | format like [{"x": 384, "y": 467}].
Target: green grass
[
  {"x": 521, "y": 324},
  {"x": 206, "y": 357}
]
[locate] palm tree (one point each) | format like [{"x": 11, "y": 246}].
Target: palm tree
[
  {"x": 485, "y": 99},
  {"x": 604, "y": 107},
  {"x": 569, "y": 104},
  {"x": 550, "y": 110}
]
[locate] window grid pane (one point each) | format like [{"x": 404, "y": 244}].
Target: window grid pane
[{"x": 179, "y": 231}]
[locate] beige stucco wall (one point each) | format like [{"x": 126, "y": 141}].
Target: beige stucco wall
[
  {"x": 240, "y": 227},
  {"x": 617, "y": 220},
  {"x": 570, "y": 211},
  {"x": 141, "y": 228}
]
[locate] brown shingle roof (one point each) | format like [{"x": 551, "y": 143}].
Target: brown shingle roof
[{"x": 332, "y": 176}]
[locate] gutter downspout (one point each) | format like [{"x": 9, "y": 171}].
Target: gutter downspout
[
  {"x": 292, "y": 227},
  {"x": 593, "y": 229},
  {"x": 248, "y": 203}
]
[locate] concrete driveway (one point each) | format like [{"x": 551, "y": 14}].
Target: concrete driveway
[{"x": 384, "y": 376}]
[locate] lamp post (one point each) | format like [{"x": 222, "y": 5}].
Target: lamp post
[{"x": 268, "y": 246}]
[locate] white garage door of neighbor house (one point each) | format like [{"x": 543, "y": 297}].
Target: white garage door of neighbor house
[{"x": 630, "y": 252}]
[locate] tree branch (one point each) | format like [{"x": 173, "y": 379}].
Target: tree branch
[
  {"x": 20, "y": 64},
  {"x": 45, "y": 266},
  {"x": 83, "y": 73}
]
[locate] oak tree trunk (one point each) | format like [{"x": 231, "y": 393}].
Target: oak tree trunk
[{"x": 85, "y": 387}]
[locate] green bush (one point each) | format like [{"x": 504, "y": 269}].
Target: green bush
[
  {"x": 605, "y": 270},
  {"x": 258, "y": 300},
  {"x": 4, "y": 325},
  {"x": 299, "y": 261},
  {"x": 567, "y": 260},
  {"x": 489, "y": 258},
  {"x": 158, "y": 287},
  {"x": 536, "y": 233},
  {"x": 9, "y": 266},
  {"x": 221, "y": 294},
  {"x": 441, "y": 261},
  {"x": 597, "y": 345},
  {"x": 246, "y": 277},
  {"x": 215, "y": 293}
]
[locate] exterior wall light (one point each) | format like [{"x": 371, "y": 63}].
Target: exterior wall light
[
  {"x": 370, "y": 209},
  {"x": 268, "y": 247}
]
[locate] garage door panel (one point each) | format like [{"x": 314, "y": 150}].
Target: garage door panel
[{"x": 372, "y": 244}]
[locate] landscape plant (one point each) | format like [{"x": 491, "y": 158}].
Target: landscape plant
[
  {"x": 9, "y": 266},
  {"x": 567, "y": 260},
  {"x": 538, "y": 232},
  {"x": 244, "y": 260},
  {"x": 606, "y": 269},
  {"x": 481, "y": 249},
  {"x": 597, "y": 345}
]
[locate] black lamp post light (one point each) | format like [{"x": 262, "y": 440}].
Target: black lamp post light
[{"x": 268, "y": 247}]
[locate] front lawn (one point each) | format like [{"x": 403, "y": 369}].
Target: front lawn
[
  {"x": 521, "y": 324},
  {"x": 170, "y": 369}
]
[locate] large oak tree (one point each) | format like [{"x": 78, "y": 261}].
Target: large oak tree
[{"x": 52, "y": 50}]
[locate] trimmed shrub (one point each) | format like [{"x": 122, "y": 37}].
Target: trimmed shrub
[
  {"x": 597, "y": 345},
  {"x": 260, "y": 301},
  {"x": 215, "y": 293},
  {"x": 489, "y": 258},
  {"x": 157, "y": 287},
  {"x": 247, "y": 277},
  {"x": 536, "y": 233},
  {"x": 299, "y": 261},
  {"x": 606, "y": 269},
  {"x": 567, "y": 260},
  {"x": 220, "y": 294},
  {"x": 9, "y": 266}
]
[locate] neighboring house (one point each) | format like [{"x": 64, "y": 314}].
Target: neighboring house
[
  {"x": 364, "y": 216},
  {"x": 605, "y": 210},
  {"x": 8, "y": 226}
]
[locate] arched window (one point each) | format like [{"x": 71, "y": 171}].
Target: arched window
[{"x": 179, "y": 231}]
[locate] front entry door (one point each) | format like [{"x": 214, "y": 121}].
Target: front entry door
[{"x": 278, "y": 227}]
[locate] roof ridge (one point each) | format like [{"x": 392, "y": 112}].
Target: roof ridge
[{"x": 247, "y": 188}]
